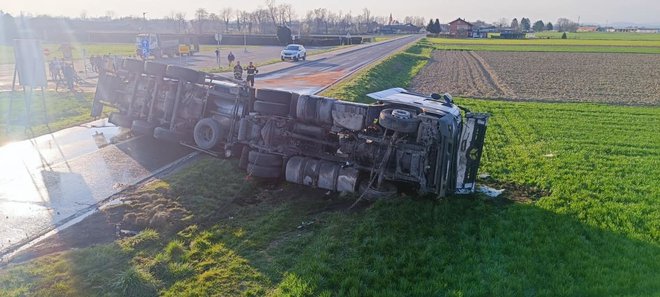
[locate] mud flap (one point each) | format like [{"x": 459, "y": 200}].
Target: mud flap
[{"x": 470, "y": 148}]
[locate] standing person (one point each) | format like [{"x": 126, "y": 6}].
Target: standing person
[
  {"x": 217, "y": 56},
  {"x": 230, "y": 58},
  {"x": 251, "y": 71},
  {"x": 57, "y": 69},
  {"x": 51, "y": 67},
  {"x": 238, "y": 70},
  {"x": 68, "y": 75}
]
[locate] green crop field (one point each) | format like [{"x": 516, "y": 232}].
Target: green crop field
[
  {"x": 549, "y": 45},
  {"x": 601, "y": 35}
]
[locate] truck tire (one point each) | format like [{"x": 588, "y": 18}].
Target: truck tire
[
  {"x": 142, "y": 127},
  {"x": 155, "y": 68},
  {"x": 165, "y": 134},
  {"x": 208, "y": 133},
  {"x": 276, "y": 96},
  {"x": 264, "y": 159},
  {"x": 389, "y": 121},
  {"x": 264, "y": 171},
  {"x": 271, "y": 108},
  {"x": 120, "y": 120},
  {"x": 133, "y": 65},
  {"x": 183, "y": 73},
  {"x": 294, "y": 104}
]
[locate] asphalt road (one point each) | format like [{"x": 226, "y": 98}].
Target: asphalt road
[{"x": 49, "y": 180}]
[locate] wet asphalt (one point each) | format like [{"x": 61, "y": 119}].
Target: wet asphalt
[{"x": 49, "y": 180}]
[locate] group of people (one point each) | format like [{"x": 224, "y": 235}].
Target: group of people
[
  {"x": 251, "y": 69},
  {"x": 62, "y": 71}
]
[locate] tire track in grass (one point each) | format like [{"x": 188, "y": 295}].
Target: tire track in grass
[{"x": 491, "y": 76}]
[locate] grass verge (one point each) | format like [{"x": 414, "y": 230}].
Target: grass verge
[
  {"x": 592, "y": 232},
  {"x": 63, "y": 110},
  {"x": 395, "y": 71}
]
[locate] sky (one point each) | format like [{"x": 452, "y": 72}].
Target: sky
[{"x": 588, "y": 11}]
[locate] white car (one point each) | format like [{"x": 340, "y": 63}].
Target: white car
[{"x": 294, "y": 52}]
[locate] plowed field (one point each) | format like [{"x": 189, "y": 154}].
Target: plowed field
[{"x": 584, "y": 77}]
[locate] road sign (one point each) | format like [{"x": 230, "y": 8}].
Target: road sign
[{"x": 144, "y": 46}]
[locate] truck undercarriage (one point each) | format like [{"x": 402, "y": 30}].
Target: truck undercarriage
[{"x": 402, "y": 140}]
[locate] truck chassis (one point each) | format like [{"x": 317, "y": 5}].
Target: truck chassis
[{"x": 403, "y": 140}]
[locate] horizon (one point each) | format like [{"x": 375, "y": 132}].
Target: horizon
[{"x": 590, "y": 12}]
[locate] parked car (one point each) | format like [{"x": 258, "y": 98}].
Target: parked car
[
  {"x": 402, "y": 141},
  {"x": 294, "y": 52}
]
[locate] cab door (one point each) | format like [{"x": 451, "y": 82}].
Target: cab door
[{"x": 470, "y": 148}]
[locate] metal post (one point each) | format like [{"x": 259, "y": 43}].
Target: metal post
[{"x": 245, "y": 42}]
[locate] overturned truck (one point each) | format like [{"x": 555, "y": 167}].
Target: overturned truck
[{"x": 403, "y": 140}]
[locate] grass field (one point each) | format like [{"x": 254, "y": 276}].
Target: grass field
[
  {"x": 594, "y": 233},
  {"x": 600, "y": 35},
  {"x": 549, "y": 45},
  {"x": 581, "y": 218},
  {"x": 64, "y": 110},
  {"x": 119, "y": 49}
]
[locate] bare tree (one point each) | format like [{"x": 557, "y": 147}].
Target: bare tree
[
  {"x": 566, "y": 25},
  {"x": 272, "y": 11},
  {"x": 287, "y": 14},
  {"x": 366, "y": 17},
  {"x": 503, "y": 22},
  {"x": 181, "y": 21},
  {"x": 226, "y": 14},
  {"x": 201, "y": 14}
]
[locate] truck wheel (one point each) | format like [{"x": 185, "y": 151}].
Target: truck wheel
[
  {"x": 398, "y": 123},
  {"x": 207, "y": 133},
  {"x": 165, "y": 134},
  {"x": 264, "y": 159},
  {"x": 277, "y": 96},
  {"x": 271, "y": 108},
  {"x": 183, "y": 73},
  {"x": 264, "y": 171},
  {"x": 142, "y": 127},
  {"x": 133, "y": 65},
  {"x": 155, "y": 68},
  {"x": 120, "y": 120}
]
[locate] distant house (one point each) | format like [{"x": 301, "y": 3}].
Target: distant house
[
  {"x": 399, "y": 29},
  {"x": 587, "y": 29},
  {"x": 460, "y": 28}
]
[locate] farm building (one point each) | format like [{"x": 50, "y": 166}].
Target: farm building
[
  {"x": 482, "y": 32},
  {"x": 460, "y": 28},
  {"x": 587, "y": 29}
]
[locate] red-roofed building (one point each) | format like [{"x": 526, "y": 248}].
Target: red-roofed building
[{"x": 460, "y": 28}]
